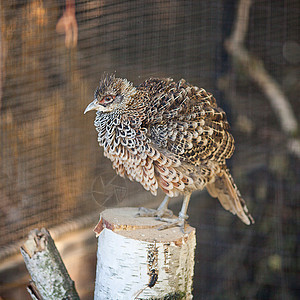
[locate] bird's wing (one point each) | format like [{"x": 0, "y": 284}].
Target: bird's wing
[{"x": 186, "y": 121}]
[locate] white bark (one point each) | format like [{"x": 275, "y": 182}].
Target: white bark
[
  {"x": 47, "y": 270},
  {"x": 132, "y": 252}
]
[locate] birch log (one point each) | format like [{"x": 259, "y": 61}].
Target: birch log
[
  {"x": 50, "y": 278},
  {"x": 137, "y": 261}
]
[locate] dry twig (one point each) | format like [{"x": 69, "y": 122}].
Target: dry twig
[{"x": 256, "y": 70}]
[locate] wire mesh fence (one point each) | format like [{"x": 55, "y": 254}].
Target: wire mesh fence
[{"x": 52, "y": 170}]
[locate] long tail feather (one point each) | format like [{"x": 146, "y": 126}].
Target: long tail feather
[{"x": 229, "y": 196}]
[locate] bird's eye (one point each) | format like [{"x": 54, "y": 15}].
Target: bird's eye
[{"x": 108, "y": 98}]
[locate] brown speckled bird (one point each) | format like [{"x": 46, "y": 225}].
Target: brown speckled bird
[{"x": 170, "y": 135}]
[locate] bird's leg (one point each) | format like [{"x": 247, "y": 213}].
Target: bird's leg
[
  {"x": 181, "y": 217},
  {"x": 159, "y": 212}
]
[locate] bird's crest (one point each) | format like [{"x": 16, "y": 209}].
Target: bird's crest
[{"x": 110, "y": 84}]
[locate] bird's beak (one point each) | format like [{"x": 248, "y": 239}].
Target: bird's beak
[{"x": 92, "y": 106}]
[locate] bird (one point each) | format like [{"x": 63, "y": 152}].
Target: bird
[{"x": 168, "y": 135}]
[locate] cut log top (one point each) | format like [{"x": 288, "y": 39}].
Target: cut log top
[{"x": 123, "y": 221}]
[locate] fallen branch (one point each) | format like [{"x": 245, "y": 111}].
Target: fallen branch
[
  {"x": 50, "y": 278},
  {"x": 256, "y": 70}
]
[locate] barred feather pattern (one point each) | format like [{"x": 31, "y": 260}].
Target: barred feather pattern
[{"x": 168, "y": 135}]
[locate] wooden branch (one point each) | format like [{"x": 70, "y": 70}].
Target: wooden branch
[
  {"x": 50, "y": 278},
  {"x": 241, "y": 24},
  {"x": 137, "y": 261},
  {"x": 256, "y": 70}
]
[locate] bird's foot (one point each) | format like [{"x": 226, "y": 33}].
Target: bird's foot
[
  {"x": 149, "y": 212},
  {"x": 180, "y": 222}
]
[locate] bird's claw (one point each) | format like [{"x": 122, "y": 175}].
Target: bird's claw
[
  {"x": 180, "y": 222},
  {"x": 149, "y": 212}
]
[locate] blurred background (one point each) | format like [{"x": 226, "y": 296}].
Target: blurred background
[{"x": 53, "y": 173}]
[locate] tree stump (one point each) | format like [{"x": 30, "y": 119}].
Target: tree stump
[{"x": 137, "y": 261}]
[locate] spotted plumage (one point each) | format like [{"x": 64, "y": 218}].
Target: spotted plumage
[{"x": 168, "y": 135}]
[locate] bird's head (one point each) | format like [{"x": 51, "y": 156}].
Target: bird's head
[{"x": 111, "y": 94}]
